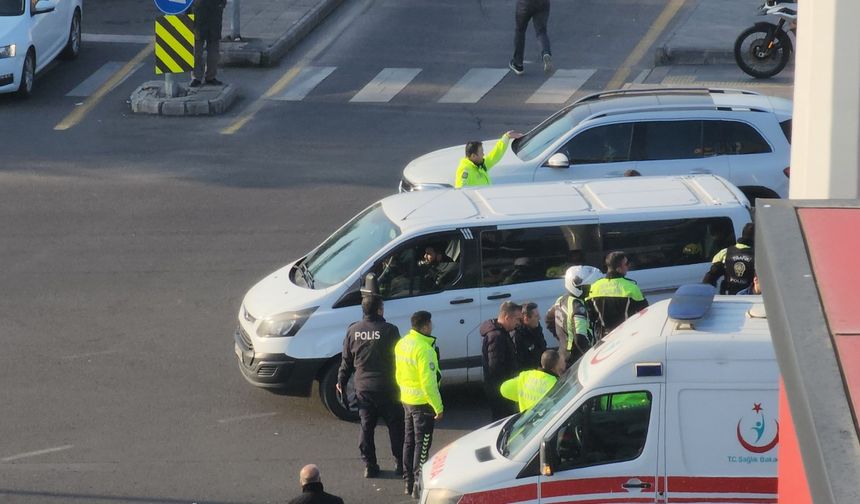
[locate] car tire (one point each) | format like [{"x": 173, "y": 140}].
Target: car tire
[
  {"x": 73, "y": 45},
  {"x": 28, "y": 75},
  {"x": 328, "y": 394}
]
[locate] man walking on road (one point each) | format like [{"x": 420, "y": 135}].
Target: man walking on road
[
  {"x": 418, "y": 377},
  {"x": 474, "y": 168},
  {"x": 536, "y": 11},
  {"x": 498, "y": 356},
  {"x": 207, "y": 37},
  {"x": 312, "y": 488},
  {"x": 368, "y": 350}
]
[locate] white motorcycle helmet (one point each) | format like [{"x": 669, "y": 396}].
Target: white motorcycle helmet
[{"x": 577, "y": 277}]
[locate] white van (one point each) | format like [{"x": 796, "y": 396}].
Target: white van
[
  {"x": 661, "y": 411},
  {"x": 506, "y": 242}
]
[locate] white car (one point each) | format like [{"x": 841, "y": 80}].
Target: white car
[
  {"x": 741, "y": 136},
  {"x": 32, "y": 34}
]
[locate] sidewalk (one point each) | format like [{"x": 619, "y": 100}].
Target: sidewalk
[
  {"x": 270, "y": 28},
  {"x": 706, "y": 31}
]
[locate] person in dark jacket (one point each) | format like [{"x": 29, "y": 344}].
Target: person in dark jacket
[
  {"x": 736, "y": 264},
  {"x": 208, "y": 15},
  {"x": 368, "y": 351},
  {"x": 498, "y": 357},
  {"x": 312, "y": 488},
  {"x": 615, "y": 298},
  {"x": 529, "y": 343}
]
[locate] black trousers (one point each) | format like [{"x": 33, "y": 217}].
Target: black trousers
[
  {"x": 536, "y": 11},
  {"x": 372, "y": 406},
  {"x": 499, "y": 406},
  {"x": 419, "y": 424}
]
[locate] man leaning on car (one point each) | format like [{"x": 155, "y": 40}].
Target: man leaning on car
[{"x": 474, "y": 168}]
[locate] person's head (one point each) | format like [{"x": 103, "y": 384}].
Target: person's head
[
  {"x": 510, "y": 314},
  {"x": 531, "y": 315},
  {"x": 309, "y": 474},
  {"x": 551, "y": 362},
  {"x": 617, "y": 264},
  {"x": 748, "y": 234},
  {"x": 372, "y": 305},
  {"x": 632, "y": 173},
  {"x": 432, "y": 254},
  {"x": 577, "y": 279},
  {"x": 475, "y": 152},
  {"x": 421, "y": 322}
]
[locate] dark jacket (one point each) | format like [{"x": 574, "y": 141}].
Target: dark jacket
[
  {"x": 208, "y": 15},
  {"x": 498, "y": 356},
  {"x": 313, "y": 493},
  {"x": 368, "y": 350},
  {"x": 615, "y": 299},
  {"x": 736, "y": 264},
  {"x": 529, "y": 345}
]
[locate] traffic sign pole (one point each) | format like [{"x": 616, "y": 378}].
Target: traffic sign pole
[
  {"x": 172, "y": 8},
  {"x": 234, "y": 20}
]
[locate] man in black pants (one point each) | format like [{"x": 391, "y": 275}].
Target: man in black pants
[
  {"x": 536, "y": 11},
  {"x": 498, "y": 357},
  {"x": 368, "y": 350}
]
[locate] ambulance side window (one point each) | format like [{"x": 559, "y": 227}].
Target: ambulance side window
[{"x": 606, "y": 429}]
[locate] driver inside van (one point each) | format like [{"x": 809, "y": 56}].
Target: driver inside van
[{"x": 437, "y": 269}]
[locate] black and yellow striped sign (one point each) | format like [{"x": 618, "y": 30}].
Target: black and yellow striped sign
[{"x": 174, "y": 44}]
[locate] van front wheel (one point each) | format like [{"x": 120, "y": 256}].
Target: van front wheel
[{"x": 328, "y": 394}]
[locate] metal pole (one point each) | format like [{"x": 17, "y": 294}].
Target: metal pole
[
  {"x": 170, "y": 85},
  {"x": 234, "y": 20}
]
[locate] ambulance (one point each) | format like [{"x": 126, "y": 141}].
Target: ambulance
[{"x": 677, "y": 405}]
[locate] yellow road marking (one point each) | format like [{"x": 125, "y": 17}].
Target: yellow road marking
[
  {"x": 647, "y": 41},
  {"x": 90, "y": 103}
]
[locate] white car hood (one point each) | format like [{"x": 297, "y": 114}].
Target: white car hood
[
  {"x": 8, "y": 28},
  {"x": 457, "y": 466},
  {"x": 440, "y": 167},
  {"x": 277, "y": 294}
]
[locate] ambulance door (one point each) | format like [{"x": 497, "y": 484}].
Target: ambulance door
[{"x": 607, "y": 450}]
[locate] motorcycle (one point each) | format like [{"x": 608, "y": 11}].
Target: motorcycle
[{"x": 764, "y": 49}]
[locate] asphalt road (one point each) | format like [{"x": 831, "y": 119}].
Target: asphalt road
[{"x": 128, "y": 243}]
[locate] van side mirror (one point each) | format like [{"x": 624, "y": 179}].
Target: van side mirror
[
  {"x": 548, "y": 457},
  {"x": 43, "y": 7},
  {"x": 558, "y": 160}
]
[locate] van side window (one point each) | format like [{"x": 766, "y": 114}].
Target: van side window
[
  {"x": 606, "y": 429},
  {"x": 514, "y": 256},
  {"x": 601, "y": 144},
  {"x": 661, "y": 140},
  {"x": 422, "y": 266},
  {"x": 659, "y": 244}
]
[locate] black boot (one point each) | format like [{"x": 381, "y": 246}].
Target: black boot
[
  {"x": 410, "y": 485},
  {"x": 371, "y": 471}
]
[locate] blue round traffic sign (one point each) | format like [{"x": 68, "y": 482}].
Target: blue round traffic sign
[{"x": 173, "y": 7}]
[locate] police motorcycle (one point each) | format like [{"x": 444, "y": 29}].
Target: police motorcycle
[{"x": 764, "y": 49}]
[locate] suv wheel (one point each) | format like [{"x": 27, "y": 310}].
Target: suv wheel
[
  {"x": 73, "y": 45},
  {"x": 28, "y": 74}
]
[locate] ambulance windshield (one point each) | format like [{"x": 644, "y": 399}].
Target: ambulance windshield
[{"x": 514, "y": 437}]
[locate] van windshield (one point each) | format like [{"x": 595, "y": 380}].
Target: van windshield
[
  {"x": 347, "y": 249},
  {"x": 11, "y": 7},
  {"x": 533, "y": 143},
  {"x": 514, "y": 437}
]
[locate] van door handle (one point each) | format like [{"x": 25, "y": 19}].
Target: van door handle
[
  {"x": 461, "y": 300},
  {"x": 700, "y": 170},
  {"x": 499, "y": 296},
  {"x": 636, "y": 483}
]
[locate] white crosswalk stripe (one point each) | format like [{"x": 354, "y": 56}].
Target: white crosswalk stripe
[
  {"x": 386, "y": 85},
  {"x": 561, "y": 86},
  {"x": 307, "y": 79},
  {"x": 474, "y": 85},
  {"x": 99, "y": 77}
]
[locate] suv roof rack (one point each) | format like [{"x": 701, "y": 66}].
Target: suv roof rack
[{"x": 661, "y": 90}]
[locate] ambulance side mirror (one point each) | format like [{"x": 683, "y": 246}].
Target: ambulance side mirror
[{"x": 548, "y": 457}]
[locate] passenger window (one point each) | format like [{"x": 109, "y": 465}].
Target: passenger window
[
  {"x": 602, "y": 144},
  {"x": 659, "y": 244},
  {"x": 741, "y": 138},
  {"x": 606, "y": 429},
  {"x": 786, "y": 129},
  {"x": 515, "y": 256},
  {"x": 662, "y": 140},
  {"x": 423, "y": 266}
]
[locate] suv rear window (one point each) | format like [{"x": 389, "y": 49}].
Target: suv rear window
[{"x": 786, "y": 128}]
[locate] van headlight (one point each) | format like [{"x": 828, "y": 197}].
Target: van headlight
[
  {"x": 7, "y": 51},
  {"x": 442, "y": 496},
  {"x": 284, "y": 324}
]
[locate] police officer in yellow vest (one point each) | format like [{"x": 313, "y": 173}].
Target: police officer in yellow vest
[
  {"x": 418, "y": 376},
  {"x": 574, "y": 325},
  {"x": 530, "y": 386},
  {"x": 615, "y": 298},
  {"x": 474, "y": 168}
]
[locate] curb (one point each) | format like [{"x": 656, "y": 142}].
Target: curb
[
  {"x": 259, "y": 52},
  {"x": 666, "y": 55},
  {"x": 149, "y": 98}
]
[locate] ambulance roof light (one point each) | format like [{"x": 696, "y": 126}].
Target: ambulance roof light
[{"x": 691, "y": 303}]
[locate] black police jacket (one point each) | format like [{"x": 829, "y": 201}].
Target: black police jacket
[
  {"x": 498, "y": 356},
  {"x": 529, "y": 345},
  {"x": 368, "y": 351},
  {"x": 312, "y": 493}
]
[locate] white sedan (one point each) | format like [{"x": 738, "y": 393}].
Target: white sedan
[{"x": 32, "y": 34}]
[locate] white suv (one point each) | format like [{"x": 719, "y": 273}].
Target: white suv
[
  {"x": 32, "y": 34},
  {"x": 739, "y": 135}
]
